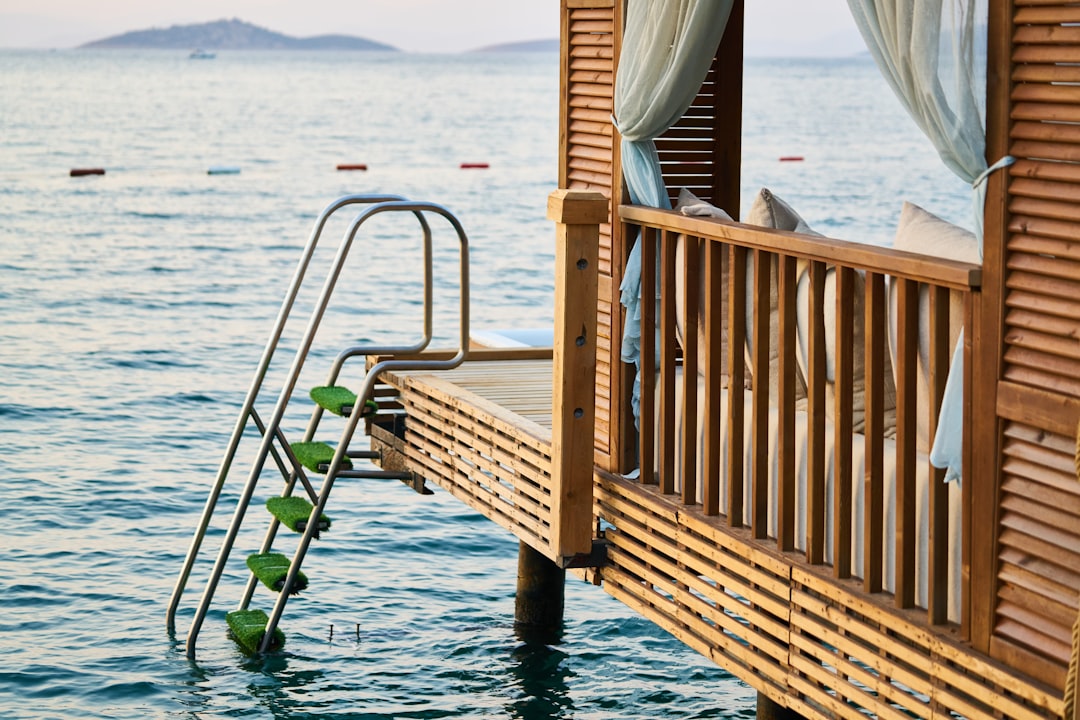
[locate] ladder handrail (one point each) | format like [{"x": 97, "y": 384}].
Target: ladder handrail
[
  {"x": 361, "y": 398},
  {"x": 376, "y": 204},
  {"x": 316, "y": 416},
  {"x": 254, "y": 388}
]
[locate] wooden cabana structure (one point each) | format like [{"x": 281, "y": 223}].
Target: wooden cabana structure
[{"x": 794, "y": 530}]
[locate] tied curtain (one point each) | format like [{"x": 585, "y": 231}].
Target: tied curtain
[
  {"x": 668, "y": 46},
  {"x": 933, "y": 55}
]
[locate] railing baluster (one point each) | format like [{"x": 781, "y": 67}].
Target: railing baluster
[
  {"x": 907, "y": 350},
  {"x": 843, "y": 421},
  {"x": 874, "y": 463},
  {"x": 785, "y": 512},
  {"x": 667, "y": 362},
  {"x": 760, "y": 418},
  {"x": 647, "y": 398},
  {"x": 691, "y": 272},
  {"x": 714, "y": 326},
  {"x": 736, "y": 381},
  {"x": 815, "y": 391},
  {"x": 937, "y": 575}
]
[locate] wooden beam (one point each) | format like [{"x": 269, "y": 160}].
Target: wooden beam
[
  {"x": 577, "y": 215},
  {"x": 728, "y": 108},
  {"x": 982, "y": 481}
]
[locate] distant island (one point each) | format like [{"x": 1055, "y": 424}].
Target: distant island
[{"x": 231, "y": 35}]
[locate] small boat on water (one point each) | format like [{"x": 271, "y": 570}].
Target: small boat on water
[{"x": 200, "y": 54}]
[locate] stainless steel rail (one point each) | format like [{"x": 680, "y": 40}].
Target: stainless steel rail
[
  {"x": 270, "y": 430},
  {"x": 366, "y": 391},
  {"x": 253, "y": 391}
]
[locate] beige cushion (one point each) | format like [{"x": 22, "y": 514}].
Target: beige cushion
[
  {"x": 923, "y": 232},
  {"x": 769, "y": 211},
  {"x": 690, "y": 204},
  {"x": 858, "y": 383}
]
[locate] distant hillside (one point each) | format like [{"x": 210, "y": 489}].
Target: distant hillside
[
  {"x": 527, "y": 46},
  {"x": 231, "y": 35}
]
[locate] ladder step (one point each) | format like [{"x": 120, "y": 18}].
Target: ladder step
[
  {"x": 247, "y": 628},
  {"x": 339, "y": 400},
  {"x": 293, "y": 512},
  {"x": 316, "y": 456},
  {"x": 272, "y": 569}
]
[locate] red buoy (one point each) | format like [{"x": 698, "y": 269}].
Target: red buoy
[
  {"x": 80, "y": 172},
  {"x": 352, "y": 166},
  {"x": 474, "y": 166},
  {"x": 791, "y": 158}
]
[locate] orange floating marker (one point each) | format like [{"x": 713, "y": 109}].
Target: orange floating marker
[
  {"x": 791, "y": 158},
  {"x": 474, "y": 166},
  {"x": 352, "y": 166},
  {"x": 81, "y": 172}
]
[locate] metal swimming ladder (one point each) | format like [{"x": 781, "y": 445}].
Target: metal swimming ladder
[{"x": 253, "y": 629}]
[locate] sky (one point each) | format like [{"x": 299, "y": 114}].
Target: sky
[{"x": 774, "y": 27}]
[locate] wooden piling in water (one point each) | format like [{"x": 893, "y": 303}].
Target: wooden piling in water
[{"x": 538, "y": 607}]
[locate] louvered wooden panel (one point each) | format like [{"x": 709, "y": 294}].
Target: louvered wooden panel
[
  {"x": 1042, "y": 262},
  {"x": 703, "y": 150},
  {"x": 688, "y": 149},
  {"x": 587, "y": 162},
  {"x": 1036, "y": 556},
  {"x": 1039, "y": 547},
  {"x": 587, "y": 153}
]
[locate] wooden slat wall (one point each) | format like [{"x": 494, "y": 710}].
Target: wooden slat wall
[
  {"x": 1039, "y": 546},
  {"x": 702, "y": 151},
  {"x": 812, "y": 643},
  {"x": 493, "y": 459},
  {"x": 1038, "y": 394},
  {"x": 687, "y": 149},
  {"x": 588, "y": 161},
  {"x": 1042, "y": 298}
]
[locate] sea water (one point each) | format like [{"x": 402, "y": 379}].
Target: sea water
[{"x": 134, "y": 307}]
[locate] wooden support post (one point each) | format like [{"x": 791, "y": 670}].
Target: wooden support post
[
  {"x": 538, "y": 606},
  {"x": 770, "y": 710},
  {"x": 577, "y": 215}
]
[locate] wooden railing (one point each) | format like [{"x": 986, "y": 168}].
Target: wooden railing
[{"x": 760, "y": 486}]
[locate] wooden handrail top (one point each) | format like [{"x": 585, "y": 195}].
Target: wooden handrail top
[
  {"x": 869, "y": 258},
  {"x": 475, "y": 354}
]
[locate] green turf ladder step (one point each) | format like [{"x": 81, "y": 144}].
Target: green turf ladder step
[
  {"x": 293, "y": 512},
  {"x": 340, "y": 401},
  {"x": 247, "y": 628},
  {"x": 272, "y": 569},
  {"x": 316, "y": 456}
]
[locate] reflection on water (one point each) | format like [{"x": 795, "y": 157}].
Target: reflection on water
[{"x": 541, "y": 673}]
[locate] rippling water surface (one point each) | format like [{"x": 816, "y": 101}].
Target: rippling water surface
[{"x": 134, "y": 309}]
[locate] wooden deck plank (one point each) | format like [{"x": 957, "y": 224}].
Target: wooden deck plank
[{"x": 521, "y": 387}]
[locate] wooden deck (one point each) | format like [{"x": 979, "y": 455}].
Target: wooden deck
[{"x": 522, "y": 387}]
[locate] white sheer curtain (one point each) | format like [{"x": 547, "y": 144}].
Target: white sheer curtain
[
  {"x": 667, "y": 48},
  {"x": 933, "y": 54}
]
